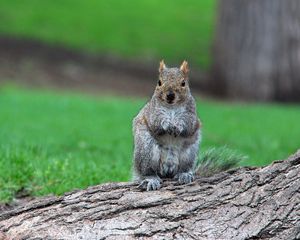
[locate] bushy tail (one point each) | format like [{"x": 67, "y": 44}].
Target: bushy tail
[{"x": 216, "y": 160}]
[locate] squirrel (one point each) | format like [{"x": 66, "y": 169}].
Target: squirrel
[{"x": 167, "y": 131}]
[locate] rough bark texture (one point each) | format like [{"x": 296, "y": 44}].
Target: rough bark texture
[
  {"x": 257, "y": 49},
  {"x": 245, "y": 203}
]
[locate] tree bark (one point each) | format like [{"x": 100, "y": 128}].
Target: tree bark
[
  {"x": 244, "y": 203},
  {"x": 257, "y": 50}
]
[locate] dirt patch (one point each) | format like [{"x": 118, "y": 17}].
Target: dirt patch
[{"x": 33, "y": 63}]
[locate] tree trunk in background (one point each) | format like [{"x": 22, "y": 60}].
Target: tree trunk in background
[
  {"x": 245, "y": 203},
  {"x": 257, "y": 50}
]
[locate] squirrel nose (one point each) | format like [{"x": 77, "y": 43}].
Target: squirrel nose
[{"x": 170, "y": 96}]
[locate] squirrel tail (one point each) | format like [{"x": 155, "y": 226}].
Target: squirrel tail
[{"x": 215, "y": 160}]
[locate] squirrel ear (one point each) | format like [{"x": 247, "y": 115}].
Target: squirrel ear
[
  {"x": 184, "y": 67},
  {"x": 162, "y": 66}
]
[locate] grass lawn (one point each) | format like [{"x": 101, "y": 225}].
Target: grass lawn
[
  {"x": 54, "y": 142},
  {"x": 149, "y": 29}
]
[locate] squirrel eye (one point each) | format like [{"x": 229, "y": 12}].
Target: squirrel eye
[
  {"x": 183, "y": 83},
  {"x": 159, "y": 83}
]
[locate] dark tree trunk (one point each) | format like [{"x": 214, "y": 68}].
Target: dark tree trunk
[
  {"x": 245, "y": 203},
  {"x": 257, "y": 50}
]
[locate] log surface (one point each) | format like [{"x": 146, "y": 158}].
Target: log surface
[{"x": 245, "y": 203}]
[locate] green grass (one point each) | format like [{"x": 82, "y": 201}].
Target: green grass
[
  {"x": 54, "y": 142},
  {"x": 149, "y": 29}
]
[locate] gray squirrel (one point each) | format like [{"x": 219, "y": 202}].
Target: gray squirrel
[{"x": 167, "y": 131}]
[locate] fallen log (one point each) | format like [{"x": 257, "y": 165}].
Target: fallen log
[{"x": 244, "y": 203}]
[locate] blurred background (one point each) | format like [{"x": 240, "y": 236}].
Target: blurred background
[{"x": 73, "y": 74}]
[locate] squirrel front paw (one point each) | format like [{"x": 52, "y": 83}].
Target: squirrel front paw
[
  {"x": 173, "y": 130},
  {"x": 165, "y": 125},
  {"x": 162, "y": 129},
  {"x": 159, "y": 132},
  {"x": 177, "y": 129},
  {"x": 184, "y": 178},
  {"x": 150, "y": 184}
]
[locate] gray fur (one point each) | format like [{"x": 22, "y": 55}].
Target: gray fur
[{"x": 166, "y": 139}]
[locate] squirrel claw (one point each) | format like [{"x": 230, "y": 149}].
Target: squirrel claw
[
  {"x": 184, "y": 178},
  {"x": 176, "y": 132},
  {"x": 150, "y": 184},
  {"x": 160, "y": 132}
]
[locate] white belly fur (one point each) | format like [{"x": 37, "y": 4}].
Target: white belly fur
[
  {"x": 171, "y": 146},
  {"x": 171, "y": 141}
]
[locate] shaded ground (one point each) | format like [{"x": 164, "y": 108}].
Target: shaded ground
[{"x": 36, "y": 64}]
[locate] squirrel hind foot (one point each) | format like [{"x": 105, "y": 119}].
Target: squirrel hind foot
[
  {"x": 184, "y": 178},
  {"x": 150, "y": 184}
]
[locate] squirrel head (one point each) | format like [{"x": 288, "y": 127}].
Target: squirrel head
[{"x": 172, "y": 87}]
